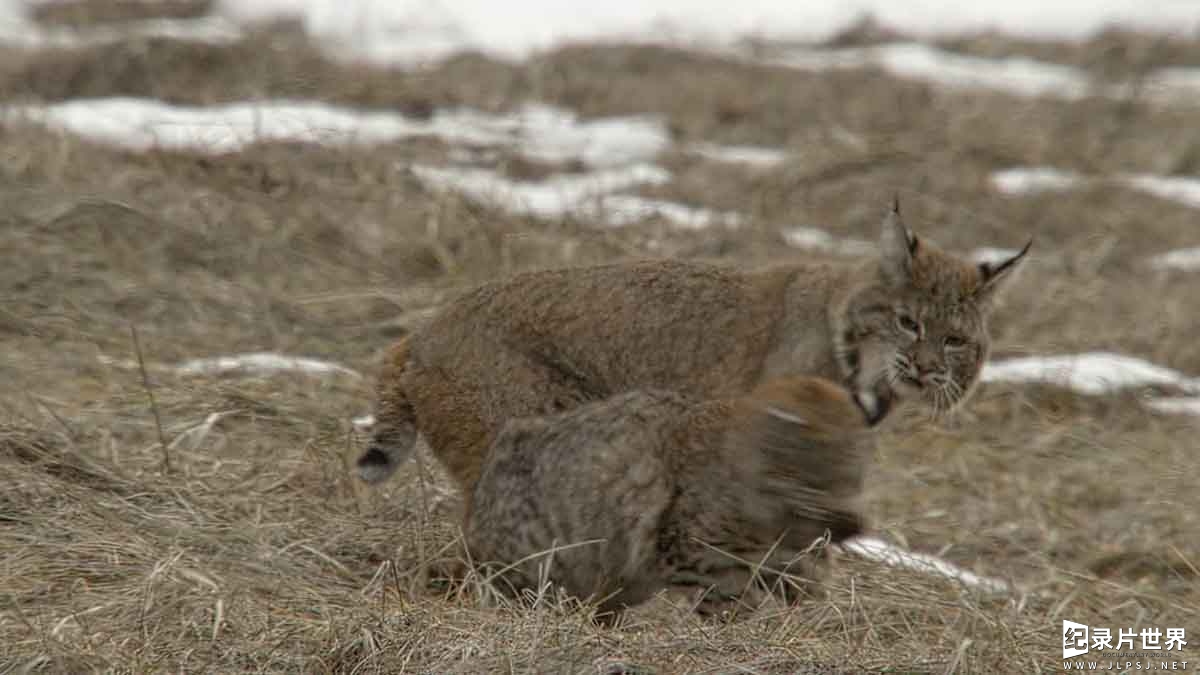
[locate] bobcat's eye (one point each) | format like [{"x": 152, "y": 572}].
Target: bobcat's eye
[
  {"x": 908, "y": 324},
  {"x": 954, "y": 342}
]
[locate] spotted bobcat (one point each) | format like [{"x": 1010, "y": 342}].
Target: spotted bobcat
[
  {"x": 911, "y": 321},
  {"x": 617, "y": 499}
]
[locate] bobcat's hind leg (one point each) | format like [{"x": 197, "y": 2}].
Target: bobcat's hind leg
[{"x": 395, "y": 432}]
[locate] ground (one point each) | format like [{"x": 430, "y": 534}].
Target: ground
[{"x": 139, "y": 533}]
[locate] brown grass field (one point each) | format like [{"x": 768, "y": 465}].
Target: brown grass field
[{"x": 257, "y": 550}]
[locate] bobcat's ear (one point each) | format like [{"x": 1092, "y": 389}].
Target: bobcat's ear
[
  {"x": 996, "y": 274},
  {"x": 897, "y": 246}
]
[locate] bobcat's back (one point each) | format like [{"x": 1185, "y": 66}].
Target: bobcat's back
[{"x": 612, "y": 328}]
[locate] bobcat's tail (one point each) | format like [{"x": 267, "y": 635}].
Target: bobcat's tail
[{"x": 395, "y": 432}]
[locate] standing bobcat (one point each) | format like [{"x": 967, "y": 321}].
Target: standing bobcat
[
  {"x": 617, "y": 499},
  {"x": 911, "y": 322}
]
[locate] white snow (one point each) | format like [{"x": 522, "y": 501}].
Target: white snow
[
  {"x": 816, "y": 239},
  {"x": 253, "y": 363},
  {"x": 1180, "y": 405},
  {"x": 1088, "y": 373},
  {"x": 1180, "y": 189},
  {"x": 1016, "y": 75},
  {"x": 990, "y": 255},
  {"x": 539, "y": 132},
  {"x": 751, "y": 155},
  {"x": 1179, "y": 79},
  {"x": 878, "y": 550},
  {"x": 627, "y": 209},
  {"x": 412, "y": 32},
  {"x": 409, "y": 31},
  {"x": 262, "y": 363},
  {"x": 554, "y": 197},
  {"x": 587, "y": 195},
  {"x": 1179, "y": 259},
  {"x": 363, "y": 422},
  {"x": 555, "y": 135},
  {"x": 1031, "y": 180}
]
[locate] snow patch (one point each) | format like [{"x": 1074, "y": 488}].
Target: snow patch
[
  {"x": 1031, "y": 180},
  {"x": 1178, "y": 405},
  {"x": 410, "y": 31},
  {"x": 554, "y": 197},
  {"x": 991, "y": 256},
  {"x": 540, "y": 132},
  {"x": 262, "y": 363},
  {"x": 587, "y": 195},
  {"x": 1015, "y": 75},
  {"x": 877, "y": 550},
  {"x": 751, "y": 155},
  {"x": 816, "y": 239},
  {"x": 1179, "y": 259},
  {"x": 1019, "y": 76},
  {"x": 1088, "y": 373},
  {"x": 1179, "y": 189},
  {"x": 619, "y": 210}
]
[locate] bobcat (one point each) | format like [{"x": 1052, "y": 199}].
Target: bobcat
[
  {"x": 910, "y": 322},
  {"x": 652, "y": 489}
]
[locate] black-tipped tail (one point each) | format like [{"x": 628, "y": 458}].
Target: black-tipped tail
[
  {"x": 376, "y": 464},
  {"x": 845, "y": 525}
]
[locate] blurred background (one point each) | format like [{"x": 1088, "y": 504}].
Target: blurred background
[{"x": 215, "y": 216}]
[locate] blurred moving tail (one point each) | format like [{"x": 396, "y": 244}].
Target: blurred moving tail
[{"x": 395, "y": 432}]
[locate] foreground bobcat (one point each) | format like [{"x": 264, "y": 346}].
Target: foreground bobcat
[
  {"x": 650, "y": 489},
  {"x": 910, "y": 322}
]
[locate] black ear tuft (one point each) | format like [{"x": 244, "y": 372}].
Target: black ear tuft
[
  {"x": 995, "y": 274},
  {"x": 991, "y": 270},
  {"x": 897, "y": 245},
  {"x": 913, "y": 241}
]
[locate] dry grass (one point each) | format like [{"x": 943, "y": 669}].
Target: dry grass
[
  {"x": 260, "y": 552},
  {"x": 87, "y": 13}
]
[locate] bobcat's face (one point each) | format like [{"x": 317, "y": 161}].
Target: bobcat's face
[
  {"x": 920, "y": 330},
  {"x": 937, "y": 347}
]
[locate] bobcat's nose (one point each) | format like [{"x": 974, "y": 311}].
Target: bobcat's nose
[{"x": 927, "y": 370}]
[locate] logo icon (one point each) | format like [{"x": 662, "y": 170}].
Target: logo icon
[{"x": 1075, "y": 639}]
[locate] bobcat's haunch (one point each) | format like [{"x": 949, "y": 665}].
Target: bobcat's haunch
[
  {"x": 911, "y": 322},
  {"x": 617, "y": 499}
]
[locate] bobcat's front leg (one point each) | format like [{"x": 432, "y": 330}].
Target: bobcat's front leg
[{"x": 720, "y": 583}]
